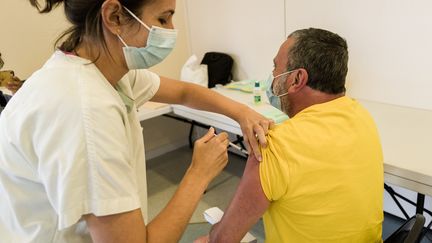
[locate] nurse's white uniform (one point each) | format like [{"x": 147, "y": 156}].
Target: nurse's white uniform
[{"x": 71, "y": 144}]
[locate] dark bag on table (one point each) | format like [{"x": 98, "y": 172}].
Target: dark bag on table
[{"x": 219, "y": 67}]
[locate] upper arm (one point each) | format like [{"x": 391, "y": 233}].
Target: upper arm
[
  {"x": 144, "y": 84},
  {"x": 123, "y": 227},
  {"x": 170, "y": 91},
  {"x": 247, "y": 206}
]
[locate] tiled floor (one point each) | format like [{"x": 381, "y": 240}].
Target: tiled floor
[{"x": 180, "y": 158}]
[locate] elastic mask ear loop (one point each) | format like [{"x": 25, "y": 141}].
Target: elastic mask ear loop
[
  {"x": 122, "y": 41},
  {"x": 280, "y": 75},
  {"x": 137, "y": 19}
]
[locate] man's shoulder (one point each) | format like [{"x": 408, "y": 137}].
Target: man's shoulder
[
  {"x": 279, "y": 139},
  {"x": 286, "y": 130}
]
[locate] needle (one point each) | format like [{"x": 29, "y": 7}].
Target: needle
[{"x": 236, "y": 146}]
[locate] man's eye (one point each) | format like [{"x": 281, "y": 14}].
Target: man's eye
[{"x": 162, "y": 21}]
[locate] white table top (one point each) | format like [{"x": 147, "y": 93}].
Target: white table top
[
  {"x": 214, "y": 119},
  {"x": 406, "y": 137},
  {"x": 153, "y": 109}
]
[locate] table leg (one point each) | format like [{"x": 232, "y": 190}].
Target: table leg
[{"x": 420, "y": 203}]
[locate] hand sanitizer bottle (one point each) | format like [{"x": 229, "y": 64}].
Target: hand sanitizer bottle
[{"x": 257, "y": 93}]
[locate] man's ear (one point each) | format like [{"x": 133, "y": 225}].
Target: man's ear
[
  {"x": 300, "y": 80},
  {"x": 112, "y": 16}
]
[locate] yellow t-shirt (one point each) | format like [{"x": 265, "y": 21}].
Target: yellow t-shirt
[{"x": 323, "y": 173}]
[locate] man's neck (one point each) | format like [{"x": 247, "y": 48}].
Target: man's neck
[{"x": 308, "y": 98}]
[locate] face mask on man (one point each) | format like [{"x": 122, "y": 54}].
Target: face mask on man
[
  {"x": 275, "y": 99},
  {"x": 160, "y": 43}
]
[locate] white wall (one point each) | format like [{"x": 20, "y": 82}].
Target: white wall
[
  {"x": 389, "y": 40},
  {"x": 389, "y": 44},
  {"x": 27, "y": 37},
  {"x": 251, "y": 31}
]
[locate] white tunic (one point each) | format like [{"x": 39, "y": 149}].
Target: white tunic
[{"x": 69, "y": 147}]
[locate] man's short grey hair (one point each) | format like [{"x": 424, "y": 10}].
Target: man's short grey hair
[{"x": 325, "y": 57}]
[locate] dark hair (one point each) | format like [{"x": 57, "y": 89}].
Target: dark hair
[
  {"x": 86, "y": 19},
  {"x": 325, "y": 57}
]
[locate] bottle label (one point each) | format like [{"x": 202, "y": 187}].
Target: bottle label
[{"x": 257, "y": 99}]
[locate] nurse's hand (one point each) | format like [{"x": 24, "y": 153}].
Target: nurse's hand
[
  {"x": 254, "y": 127},
  {"x": 210, "y": 154}
]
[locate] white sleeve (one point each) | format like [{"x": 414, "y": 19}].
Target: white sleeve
[{"x": 144, "y": 84}]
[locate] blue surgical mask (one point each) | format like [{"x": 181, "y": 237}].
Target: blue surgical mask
[
  {"x": 275, "y": 99},
  {"x": 160, "y": 43}
]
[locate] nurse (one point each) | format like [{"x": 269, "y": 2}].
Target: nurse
[{"x": 72, "y": 166}]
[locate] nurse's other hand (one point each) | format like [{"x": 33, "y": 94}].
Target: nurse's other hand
[
  {"x": 254, "y": 127},
  {"x": 210, "y": 154}
]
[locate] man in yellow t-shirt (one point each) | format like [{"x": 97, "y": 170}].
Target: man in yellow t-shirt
[{"x": 321, "y": 178}]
